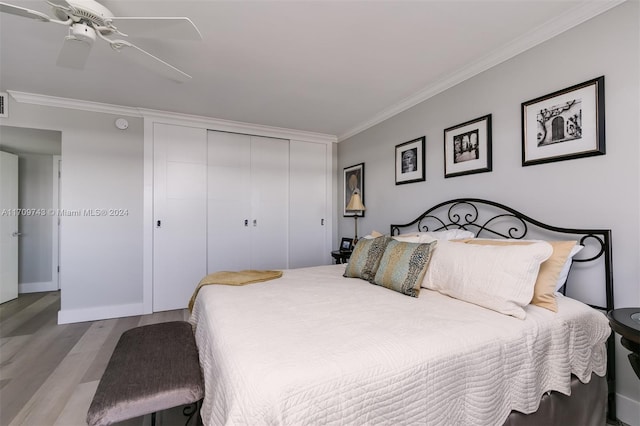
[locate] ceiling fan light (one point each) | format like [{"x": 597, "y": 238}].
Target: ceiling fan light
[{"x": 74, "y": 53}]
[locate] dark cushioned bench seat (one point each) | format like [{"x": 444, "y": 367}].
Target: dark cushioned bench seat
[{"x": 153, "y": 368}]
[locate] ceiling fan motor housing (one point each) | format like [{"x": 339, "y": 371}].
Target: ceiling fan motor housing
[
  {"x": 87, "y": 10},
  {"x": 83, "y": 32}
]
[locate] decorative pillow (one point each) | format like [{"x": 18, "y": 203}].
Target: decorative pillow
[
  {"x": 449, "y": 234},
  {"x": 545, "y": 287},
  {"x": 403, "y": 266},
  {"x": 500, "y": 278},
  {"x": 564, "y": 273},
  {"x": 365, "y": 258}
]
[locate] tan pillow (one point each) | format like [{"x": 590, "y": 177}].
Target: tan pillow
[
  {"x": 545, "y": 287},
  {"x": 373, "y": 234}
]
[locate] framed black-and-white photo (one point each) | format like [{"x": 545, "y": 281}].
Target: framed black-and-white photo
[
  {"x": 353, "y": 182},
  {"x": 564, "y": 125},
  {"x": 467, "y": 147},
  {"x": 346, "y": 244},
  {"x": 410, "y": 161}
]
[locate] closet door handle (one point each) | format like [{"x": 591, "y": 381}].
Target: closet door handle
[
  {"x": 321, "y": 222},
  {"x": 255, "y": 222},
  {"x": 246, "y": 222}
]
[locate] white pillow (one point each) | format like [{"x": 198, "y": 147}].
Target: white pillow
[
  {"x": 564, "y": 273},
  {"x": 500, "y": 278},
  {"x": 449, "y": 234},
  {"x": 414, "y": 238}
]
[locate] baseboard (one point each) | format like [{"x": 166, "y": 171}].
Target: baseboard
[
  {"x": 627, "y": 410},
  {"x": 37, "y": 287},
  {"x": 66, "y": 316}
]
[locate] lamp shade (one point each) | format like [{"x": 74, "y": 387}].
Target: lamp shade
[{"x": 355, "y": 203}]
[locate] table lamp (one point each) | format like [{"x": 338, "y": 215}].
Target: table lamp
[{"x": 355, "y": 205}]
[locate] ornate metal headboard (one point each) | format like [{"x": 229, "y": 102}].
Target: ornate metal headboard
[{"x": 488, "y": 219}]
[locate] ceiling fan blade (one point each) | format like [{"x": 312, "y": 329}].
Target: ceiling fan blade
[
  {"x": 173, "y": 28},
  {"x": 25, "y": 13},
  {"x": 61, "y": 3},
  {"x": 74, "y": 53},
  {"x": 151, "y": 62}
]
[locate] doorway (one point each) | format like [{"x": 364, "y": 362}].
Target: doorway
[{"x": 39, "y": 159}]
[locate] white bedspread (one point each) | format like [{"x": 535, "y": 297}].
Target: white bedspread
[{"x": 314, "y": 348}]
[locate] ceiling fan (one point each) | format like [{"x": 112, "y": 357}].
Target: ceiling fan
[{"x": 88, "y": 20}]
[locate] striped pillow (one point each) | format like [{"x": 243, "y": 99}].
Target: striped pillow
[
  {"x": 365, "y": 258},
  {"x": 403, "y": 266}
]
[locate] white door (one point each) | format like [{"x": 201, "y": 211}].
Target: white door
[
  {"x": 308, "y": 214},
  {"x": 270, "y": 203},
  {"x": 180, "y": 214},
  {"x": 229, "y": 201},
  {"x": 8, "y": 226}
]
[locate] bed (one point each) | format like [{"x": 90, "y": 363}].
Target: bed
[{"x": 314, "y": 347}]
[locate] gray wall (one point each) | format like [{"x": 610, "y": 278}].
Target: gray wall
[
  {"x": 597, "y": 192},
  {"x": 100, "y": 257}
]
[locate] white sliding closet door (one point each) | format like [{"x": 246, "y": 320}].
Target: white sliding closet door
[
  {"x": 270, "y": 203},
  {"x": 308, "y": 194},
  {"x": 229, "y": 201},
  {"x": 248, "y": 196},
  {"x": 180, "y": 214}
]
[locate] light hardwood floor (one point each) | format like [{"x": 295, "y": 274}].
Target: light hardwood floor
[{"x": 49, "y": 372}]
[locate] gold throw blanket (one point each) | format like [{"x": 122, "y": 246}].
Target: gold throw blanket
[{"x": 248, "y": 276}]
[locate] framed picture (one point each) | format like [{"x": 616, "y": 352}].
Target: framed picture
[
  {"x": 410, "y": 161},
  {"x": 564, "y": 125},
  {"x": 467, "y": 147},
  {"x": 346, "y": 244},
  {"x": 353, "y": 182}
]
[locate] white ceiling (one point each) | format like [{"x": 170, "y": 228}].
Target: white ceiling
[{"x": 334, "y": 67}]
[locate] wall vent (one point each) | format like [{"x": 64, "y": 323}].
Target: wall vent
[{"x": 4, "y": 104}]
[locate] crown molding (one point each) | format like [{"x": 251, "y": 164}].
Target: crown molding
[
  {"x": 57, "y": 102},
  {"x": 172, "y": 117},
  {"x": 571, "y": 18},
  {"x": 236, "y": 126}
]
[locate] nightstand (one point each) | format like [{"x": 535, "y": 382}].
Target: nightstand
[
  {"x": 626, "y": 322},
  {"x": 341, "y": 256}
]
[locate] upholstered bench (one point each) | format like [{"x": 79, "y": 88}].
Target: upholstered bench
[{"x": 153, "y": 368}]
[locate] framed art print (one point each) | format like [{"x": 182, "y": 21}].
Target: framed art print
[
  {"x": 346, "y": 244},
  {"x": 353, "y": 182},
  {"x": 467, "y": 147},
  {"x": 410, "y": 161},
  {"x": 564, "y": 125}
]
